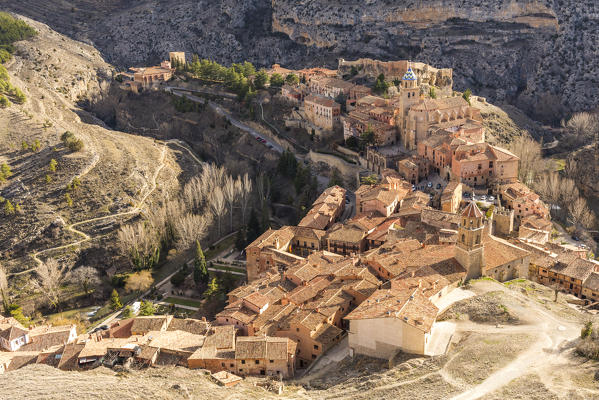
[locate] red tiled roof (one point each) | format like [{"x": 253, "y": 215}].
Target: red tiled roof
[{"x": 472, "y": 211}]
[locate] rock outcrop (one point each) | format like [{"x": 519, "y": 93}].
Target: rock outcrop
[{"x": 540, "y": 55}]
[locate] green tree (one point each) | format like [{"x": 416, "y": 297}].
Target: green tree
[
  {"x": 432, "y": 92},
  {"x": 147, "y": 308},
  {"x": 381, "y": 86},
  {"x": 52, "y": 166},
  {"x": 254, "y": 229},
  {"x": 240, "y": 242},
  {"x": 261, "y": 79},
  {"x": 466, "y": 95},
  {"x": 248, "y": 69},
  {"x": 367, "y": 137},
  {"x": 200, "y": 270},
  {"x": 335, "y": 178},
  {"x": 276, "y": 80},
  {"x": 115, "y": 301},
  {"x": 292, "y": 79},
  {"x": 127, "y": 312},
  {"x": 342, "y": 100},
  {"x": 8, "y": 208},
  {"x": 212, "y": 289},
  {"x": 16, "y": 312},
  {"x": 370, "y": 180}
]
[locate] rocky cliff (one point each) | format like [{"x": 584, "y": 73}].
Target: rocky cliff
[{"x": 538, "y": 54}]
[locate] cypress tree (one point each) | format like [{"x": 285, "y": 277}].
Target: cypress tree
[{"x": 200, "y": 271}]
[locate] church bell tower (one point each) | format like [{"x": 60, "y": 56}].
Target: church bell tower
[{"x": 469, "y": 251}]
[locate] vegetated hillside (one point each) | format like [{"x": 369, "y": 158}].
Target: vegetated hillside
[
  {"x": 118, "y": 174},
  {"x": 538, "y": 54}
]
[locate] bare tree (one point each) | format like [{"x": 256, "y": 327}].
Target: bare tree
[
  {"x": 87, "y": 278},
  {"x": 4, "y": 289},
  {"x": 50, "y": 277},
  {"x": 190, "y": 228},
  {"x": 582, "y": 124},
  {"x": 140, "y": 245},
  {"x": 245, "y": 194},
  {"x": 580, "y": 213},
  {"x": 531, "y": 161},
  {"x": 217, "y": 206},
  {"x": 139, "y": 282},
  {"x": 230, "y": 192}
]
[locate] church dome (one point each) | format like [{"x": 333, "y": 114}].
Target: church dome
[{"x": 410, "y": 75}]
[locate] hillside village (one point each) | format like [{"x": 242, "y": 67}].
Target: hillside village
[{"x": 380, "y": 272}]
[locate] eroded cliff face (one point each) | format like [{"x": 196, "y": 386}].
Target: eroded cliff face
[{"x": 540, "y": 55}]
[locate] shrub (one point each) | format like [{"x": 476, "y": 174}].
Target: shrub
[
  {"x": 118, "y": 280},
  {"x": 127, "y": 312},
  {"x": 52, "y": 166},
  {"x": 147, "y": 308},
  {"x": 8, "y": 208},
  {"x": 4, "y": 101},
  {"x": 35, "y": 146},
  {"x": 68, "y": 199},
  {"x": 180, "y": 276},
  {"x": 587, "y": 330},
  {"x": 71, "y": 142}
]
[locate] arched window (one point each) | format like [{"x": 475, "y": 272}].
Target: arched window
[
  {"x": 477, "y": 239},
  {"x": 463, "y": 238}
]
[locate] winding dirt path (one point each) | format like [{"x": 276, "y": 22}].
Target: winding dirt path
[
  {"x": 85, "y": 237},
  {"x": 547, "y": 351}
]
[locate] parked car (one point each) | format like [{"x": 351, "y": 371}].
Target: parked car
[
  {"x": 438, "y": 186},
  {"x": 413, "y": 188},
  {"x": 483, "y": 198},
  {"x": 429, "y": 185},
  {"x": 491, "y": 198},
  {"x": 466, "y": 195},
  {"x": 258, "y": 138}
]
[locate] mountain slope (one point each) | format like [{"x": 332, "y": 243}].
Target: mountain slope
[{"x": 538, "y": 54}]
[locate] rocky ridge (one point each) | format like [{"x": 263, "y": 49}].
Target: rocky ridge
[{"x": 538, "y": 54}]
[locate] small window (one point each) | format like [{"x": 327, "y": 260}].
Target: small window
[
  {"x": 271, "y": 361},
  {"x": 313, "y": 356},
  {"x": 257, "y": 361},
  {"x": 315, "y": 347},
  {"x": 297, "y": 329},
  {"x": 231, "y": 365},
  {"x": 243, "y": 361},
  {"x": 223, "y": 364}
]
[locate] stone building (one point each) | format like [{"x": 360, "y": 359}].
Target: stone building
[
  {"x": 483, "y": 164},
  {"x": 522, "y": 200},
  {"x": 451, "y": 197},
  {"x": 322, "y": 112}
]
